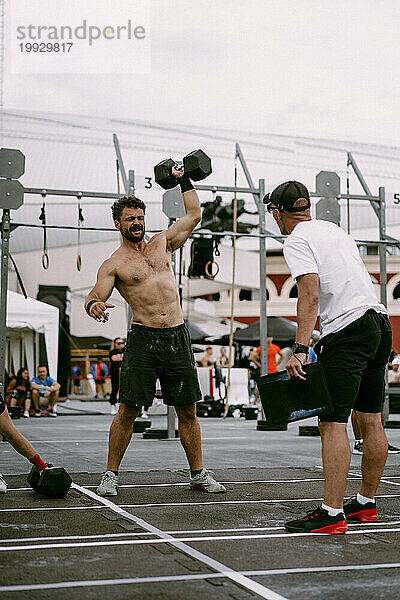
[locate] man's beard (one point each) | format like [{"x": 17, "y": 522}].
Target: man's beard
[{"x": 133, "y": 235}]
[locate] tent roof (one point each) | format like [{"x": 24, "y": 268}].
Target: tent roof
[
  {"x": 282, "y": 330},
  {"x": 27, "y": 313}
]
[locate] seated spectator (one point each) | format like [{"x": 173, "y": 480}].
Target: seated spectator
[
  {"x": 43, "y": 386},
  {"x": 99, "y": 371},
  {"x": 18, "y": 391},
  {"x": 394, "y": 373},
  {"x": 222, "y": 360},
  {"x": 208, "y": 359}
]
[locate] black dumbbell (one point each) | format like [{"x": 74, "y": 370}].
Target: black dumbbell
[
  {"x": 53, "y": 482},
  {"x": 196, "y": 165}
]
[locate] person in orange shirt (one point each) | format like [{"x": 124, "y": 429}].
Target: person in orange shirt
[{"x": 272, "y": 351}]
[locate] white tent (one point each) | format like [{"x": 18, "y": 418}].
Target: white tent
[{"x": 31, "y": 315}]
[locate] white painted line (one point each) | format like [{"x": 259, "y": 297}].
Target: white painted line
[
  {"x": 186, "y": 483},
  {"x": 383, "y": 479},
  {"x": 200, "y": 532},
  {"x": 238, "y": 578},
  {"x": 323, "y": 569},
  {"x": 191, "y": 577},
  {"x": 187, "y": 540},
  {"x": 160, "y": 505}
]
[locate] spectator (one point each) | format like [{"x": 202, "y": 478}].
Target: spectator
[
  {"x": 312, "y": 357},
  {"x": 43, "y": 386},
  {"x": 116, "y": 353},
  {"x": 286, "y": 353},
  {"x": 18, "y": 391},
  {"x": 76, "y": 382},
  {"x": 272, "y": 352},
  {"x": 208, "y": 359},
  {"x": 222, "y": 360},
  {"x": 394, "y": 373},
  {"x": 99, "y": 371}
]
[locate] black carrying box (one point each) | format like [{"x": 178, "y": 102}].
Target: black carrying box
[{"x": 286, "y": 400}]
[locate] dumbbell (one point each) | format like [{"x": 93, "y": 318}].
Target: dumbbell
[
  {"x": 196, "y": 165},
  {"x": 52, "y": 482}
]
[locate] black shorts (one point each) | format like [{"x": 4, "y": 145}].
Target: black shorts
[
  {"x": 164, "y": 354},
  {"x": 354, "y": 361}
]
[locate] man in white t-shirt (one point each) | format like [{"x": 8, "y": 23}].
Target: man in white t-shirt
[{"x": 353, "y": 350}]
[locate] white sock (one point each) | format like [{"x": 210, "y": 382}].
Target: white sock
[
  {"x": 333, "y": 512},
  {"x": 358, "y": 441},
  {"x": 363, "y": 499}
]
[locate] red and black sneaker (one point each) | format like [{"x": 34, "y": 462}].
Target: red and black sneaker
[
  {"x": 355, "y": 511},
  {"x": 318, "y": 521}
]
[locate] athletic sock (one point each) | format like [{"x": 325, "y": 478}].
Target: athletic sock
[
  {"x": 363, "y": 499},
  {"x": 115, "y": 473},
  {"x": 333, "y": 512},
  {"x": 360, "y": 441},
  {"x": 37, "y": 461},
  {"x": 194, "y": 473}
]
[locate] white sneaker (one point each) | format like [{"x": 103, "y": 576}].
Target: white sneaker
[
  {"x": 3, "y": 485},
  {"x": 205, "y": 482},
  {"x": 26, "y": 414},
  {"x": 108, "y": 485},
  {"x": 113, "y": 410}
]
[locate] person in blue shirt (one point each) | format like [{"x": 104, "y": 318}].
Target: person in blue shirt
[
  {"x": 43, "y": 386},
  {"x": 99, "y": 371}
]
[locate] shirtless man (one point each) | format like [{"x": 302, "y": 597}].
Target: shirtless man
[{"x": 158, "y": 344}]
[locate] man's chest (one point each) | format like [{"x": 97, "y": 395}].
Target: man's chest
[{"x": 136, "y": 269}]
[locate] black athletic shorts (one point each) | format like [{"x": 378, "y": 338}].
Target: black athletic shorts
[
  {"x": 164, "y": 354},
  {"x": 2, "y": 405},
  {"x": 354, "y": 361}
]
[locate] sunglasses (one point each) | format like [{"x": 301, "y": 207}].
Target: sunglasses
[{"x": 270, "y": 205}]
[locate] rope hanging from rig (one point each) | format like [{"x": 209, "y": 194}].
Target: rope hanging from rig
[{"x": 42, "y": 217}]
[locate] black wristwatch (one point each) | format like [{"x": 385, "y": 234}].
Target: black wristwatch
[{"x": 299, "y": 349}]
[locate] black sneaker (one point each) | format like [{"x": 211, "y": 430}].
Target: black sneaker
[
  {"x": 393, "y": 449},
  {"x": 318, "y": 521},
  {"x": 358, "y": 448},
  {"x": 355, "y": 511}
]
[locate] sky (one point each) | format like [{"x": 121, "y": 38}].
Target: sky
[{"x": 326, "y": 68}]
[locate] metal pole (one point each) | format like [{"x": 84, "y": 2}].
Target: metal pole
[
  {"x": 120, "y": 162},
  {"x": 171, "y": 415},
  {"x": 263, "y": 284},
  {"x": 383, "y": 282},
  {"x": 5, "y": 239},
  {"x": 382, "y": 247}
]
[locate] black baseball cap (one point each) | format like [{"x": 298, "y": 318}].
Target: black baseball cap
[{"x": 285, "y": 195}]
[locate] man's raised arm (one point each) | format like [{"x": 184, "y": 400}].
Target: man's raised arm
[
  {"x": 95, "y": 303},
  {"x": 179, "y": 231}
]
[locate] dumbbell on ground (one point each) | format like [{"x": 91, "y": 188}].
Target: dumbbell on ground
[
  {"x": 196, "y": 165},
  {"x": 53, "y": 482}
]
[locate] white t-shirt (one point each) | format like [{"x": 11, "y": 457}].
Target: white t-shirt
[{"x": 346, "y": 291}]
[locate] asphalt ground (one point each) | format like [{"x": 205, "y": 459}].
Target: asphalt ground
[{"x": 158, "y": 539}]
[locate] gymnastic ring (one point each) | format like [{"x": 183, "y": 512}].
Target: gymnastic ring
[
  {"x": 207, "y": 271},
  {"x": 79, "y": 262},
  {"x": 45, "y": 260}
]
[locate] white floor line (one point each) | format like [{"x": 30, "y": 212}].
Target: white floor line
[
  {"x": 200, "y": 532},
  {"x": 192, "y": 577},
  {"x": 187, "y": 540},
  {"x": 176, "y": 504},
  {"x": 354, "y": 477},
  {"x": 383, "y": 479},
  {"x": 241, "y": 580},
  {"x": 324, "y": 569},
  {"x": 185, "y": 483}
]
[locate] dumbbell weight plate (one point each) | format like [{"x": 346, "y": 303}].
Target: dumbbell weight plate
[
  {"x": 197, "y": 165},
  {"x": 163, "y": 174}
]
